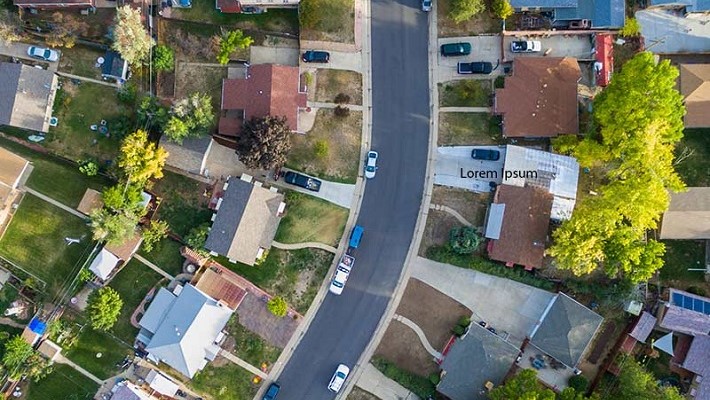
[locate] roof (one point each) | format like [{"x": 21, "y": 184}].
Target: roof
[
  {"x": 49, "y": 349},
  {"x": 565, "y": 330},
  {"x": 184, "y": 331},
  {"x": 128, "y": 248},
  {"x": 104, "y": 263},
  {"x": 690, "y": 5},
  {"x": 604, "y": 56},
  {"x": 555, "y": 173},
  {"x": 12, "y": 167},
  {"x": 540, "y": 98},
  {"x": 644, "y": 326},
  {"x": 158, "y": 308},
  {"x": 686, "y": 321},
  {"x": 126, "y": 390},
  {"x": 246, "y": 221},
  {"x": 26, "y": 96},
  {"x": 189, "y": 156},
  {"x": 37, "y": 326},
  {"x": 668, "y": 31},
  {"x": 695, "y": 88},
  {"x": 114, "y": 66},
  {"x": 267, "y": 90},
  {"x": 688, "y": 215},
  {"x": 217, "y": 284},
  {"x": 90, "y": 201},
  {"x": 473, "y": 360},
  {"x": 228, "y": 6},
  {"x": 603, "y": 14},
  {"x": 494, "y": 221},
  {"x": 161, "y": 383},
  {"x": 54, "y": 3},
  {"x": 698, "y": 361},
  {"x": 526, "y": 220}
]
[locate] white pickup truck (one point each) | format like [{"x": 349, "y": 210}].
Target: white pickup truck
[
  {"x": 341, "y": 274},
  {"x": 525, "y": 46}
]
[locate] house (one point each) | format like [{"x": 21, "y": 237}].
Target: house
[
  {"x": 694, "y": 83},
  {"x": 557, "y": 174},
  {"x": 103, "y": 264},
  {"x": 90, "y": 202},
  {"x": 183, "y": 328},
  {"x": 267, "y": 90},
  {"x": 190, "y": 156},
  {"x": 127, "y": 390},
  {"x": 478, "y": 360},
  {"x": 114, "y": 67},
  {"x": 688, "y": 215},
  {"x": 161, "y": 383},
  {"x": 697, "y": 361},
  {"x": 540, "y": 99},
  {"x": 517, "y": 225},
  {"x": 246, "y": 221},
  {"x": 55, "y": 4},
  {"x": 13, "y": 170},
  {"x": 669, "y": 30},
  {"x": 608, "y": 14},
  {"x": 26, "y": 96},
  {"x": 691, "y": 6},
  {"x": 252, "y": 6}
]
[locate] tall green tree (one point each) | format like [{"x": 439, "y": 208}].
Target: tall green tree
[
  {"x": 192, "y": 117},
  {"x": 463, "y": 10},
  {"x": 523, "y": 386},
  {"x": 104, "y": 307},
  {"x": 635, "y": 382},
  {"x": 230, "y": 42},
  {"x": 141, "y": 159},
  {"x": 502, "y": 9},
  {"x": 130, "y": 37},
  {"x": 113, "y": 227},
  {"x": 17, "y": 351},
  {"x": 163, "y": 58},
  {"x": 154, "y": 233}
]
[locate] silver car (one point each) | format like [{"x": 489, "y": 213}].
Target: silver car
[{"x": 42, "y": 53}]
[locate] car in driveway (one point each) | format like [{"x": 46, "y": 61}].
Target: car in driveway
[
  {"x": 476, "y": 67},
  {"x": 315, "y": 56},
  {"x": 42, "y": 53},
  {"x": 339, "y": 377},
  {"x": 303, "y": 181},
  {"x": 525, "y": 46},
  {"x": 272, "y": 392},
  {"x": 371, "y": 164},
  {"x": 485, "y": 154},
  {"x": 426, "y": 5},
  {"x": 455, "y": 49}
]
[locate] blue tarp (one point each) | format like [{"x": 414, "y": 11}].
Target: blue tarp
[{"x": 37, "y": 326}]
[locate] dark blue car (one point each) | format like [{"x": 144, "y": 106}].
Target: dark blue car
[{"x": 272, "y": 391}]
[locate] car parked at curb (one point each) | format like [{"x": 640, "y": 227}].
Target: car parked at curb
[
  {"x": 485, "y": 154},
  {"x": 426, "y": 5},
  {"x": 455, "y": 49},
  {"x": 315, "y": 56},
  {"x": 303, "y": 181},
  {"x": 42, "y": 53},
  {"x": 476, "y": 67},
  {"x": 525, "y": 46},
  {"x": 371, "y": 164},
  {"x": 272, "y": 391},
  {"x": 339, "y": 377}
]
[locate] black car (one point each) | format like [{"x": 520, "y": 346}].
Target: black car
[
  {"x": 303, "y": 181},
  {"x": 478, "y": 67},
  {"x": 272, "y": 392},
  {"x": 315, "y": 56},
  {"x": 455, "y": 49},
  {"x": 485, "y": 154}
]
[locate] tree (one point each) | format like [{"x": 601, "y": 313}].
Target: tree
[
  {"x": 192, "y": 117},
  {"x": 639, "y": 121},
  {"x": 196, "y": 239},
  {"x": 17, "y": 351},
  {"x": 502, "y": 9},
  {"x": 163, "y": 58},
  {"x": 463, "y": 10},
  {"x": 230, "y": 42},
  {"x": 140, "y": 159},
  {"x": 123, "y": 198},
  {"x": 66, "y": 29},
  {"x": 37, "y": 367},
  {"x": 631, "y": 28},
  {"x": 264, "y": 142},
  {"x": 104, "y": 307},
  {"x": 113, "y": 227},
  {"x": 464, "y": 240},
  {"x": 10, "y": 28},
  {"x": 130, "y": 37},
  {"x": 523, "y": 386},
  {"x": 277, "y": 305},
  {"x": 156, "y": 231},
  {"x": 637, "y": 383}
]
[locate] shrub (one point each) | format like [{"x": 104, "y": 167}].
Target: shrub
[
  {"x": 163, "y": 58},
  {"x": 308, "y": 77},
  {"x": 502, "y": 9},
  {"x": 499, "y": 83},
  {"x": 85, "y": 275},
  {"x": 434, "y": 378},
  {"x": 341, "y": 111},
  {"x": 458, "y": 330},
  {"x": 631, "y": 28},
  {"x": 464, "y": 240},
  {"x": 321, "y": 148},
  {"x": 579, "y": 383},
  {"x": 89, "y": 167},
  {"x": 465, "y": 321},
  {"x": 696, "y": 290},
  {"x": 127, "y": 94},
  {"x": 277, "y": 306},
  {"x": 342, "y": 98}
]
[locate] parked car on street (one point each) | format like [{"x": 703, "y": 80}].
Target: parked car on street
[
  {"x": 42, "y": 53},
  {"x": 316, "y": 56},
  {"x": 303, "y": 181},
  {"x": 272, "y": 392},
  {"x": 485, "y": 154},
  {"x": 342, "y": 272},
  {"x": 525, "y": 46},
  {"x": 371, "y": 164},
  {"x": 426, "y": 5},
  {"x": 339, "y": 377},
  {"x": 476, "y": 67},
  {"x": 356, "y": 237},
  {"x": 455, "y": 49}
]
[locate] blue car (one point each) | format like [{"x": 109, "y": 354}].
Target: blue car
[
  {"x": 272, "y": 391},
  {"x": 356, "y": 236}
]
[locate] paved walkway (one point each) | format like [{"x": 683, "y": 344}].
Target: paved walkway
[
  {"x": 236, "y": 360},
  {"x": 85, "y": 79},
  {"x": 451, "y": 211},
  {"x": 304, "y": 245},
  {"x": 63, "y": 360},
  {"x": 375, "y": 382},
  {"x": 152, "y": 266},
  {"x": 466, "y": 109},
  {"x": 420, "y": 333},
  {"x": 19, "y": 50},
  {"x": 54, "y": 202},
  {"x": 9, "y": 322},
  {"x": 317, "y": 104},
  {"x": 337, "y": 193}
]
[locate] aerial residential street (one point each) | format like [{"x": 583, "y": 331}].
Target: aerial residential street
[{"x": 345, "y": 324}]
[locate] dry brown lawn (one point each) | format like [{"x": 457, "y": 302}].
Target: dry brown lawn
[
  {"x": 401, "y": 346},
  {"x": 191, "y": 78},
  {"x": 335, "y": 22},
  {"x": 331, "y": 82},
  {"x": 461, "y": 129},
  {"x": 482, "y": 23},
  {"x": 359, "y": 394},
  {"x": 436, "y": 231}
]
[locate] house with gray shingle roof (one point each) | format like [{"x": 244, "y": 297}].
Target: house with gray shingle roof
[
  {"x": 182, "y": 328},
  {"x": 190, "y": 156},
  {"x": 26, "y": 96},
  {"x": 602, "y": 13}
]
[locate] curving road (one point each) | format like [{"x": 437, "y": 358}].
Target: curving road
[{"x": 344, "y": 324}]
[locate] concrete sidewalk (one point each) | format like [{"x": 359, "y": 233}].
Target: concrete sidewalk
[
  {"x": 375, "y": 382},
  {"x": 63, "y": 360},
  {"x": 153, "y": 266},
  {"x": 54, "y": 202},
  {"x": 305, "y": 245}
]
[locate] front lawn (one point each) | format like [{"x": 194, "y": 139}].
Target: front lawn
[
  {"x": 227, "y": 382},
  {"x": 249, "y": 346},
  {"x": 310, "y": 219},
  {"x": 97, "y": 352},
  {"x": 331, "y": 150},
  {"x": 275, "y": 20},
  {"x": 63, "y": 383},
  {"x": 481, "y": 23},
  {"x": 695, "y": 169},
  {"x": 166, "y": 255},
  {"x": 35, "y": 242},
  {"x": 328, "y": 20},
  {"x": 465, "y": 93},
  {"x": 465, "y": 129},
  {"x": 332, "y": 82},
  {"x": 184, "y": 205}
]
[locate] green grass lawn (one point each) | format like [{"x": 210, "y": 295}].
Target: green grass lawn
[
  {"x": 184, "y": 206},
  {"x": 695, "y": 169},
  {"x": 310, "y": 219},
  {"x": 418, "y": 385},
  {"x": 276, "y": 19},
  {"x": 35, "y": 241},
  {"x": 228, "y": 382},
  {"x": 249, "y": 346},
  {"x": 133, "y": 282},
  {"x": 681, "y": 255},
  {"x": 457, "y": 129},
  {"x": 89, "y": 344},
  {"x": 465, "y": 93},
  {"x": 81, "y": 60},
  {"x": 166, "y": 255},
  {"x": 64, "y": 383}
]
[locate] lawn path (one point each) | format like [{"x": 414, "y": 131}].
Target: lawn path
[
  {"x": 318, "y": 104},
  {"x": 153, "y": 266},
  {"x": 420, "y": 333},
  {"x": 238, "y": 361},
  {"x": 465, "y": 109},
  {"x": 9, "y": 322},
  {"x": 451, "y": 211},
  {"x": 63, "y": 360},
  {"x": 83, "y": 78},
  {"x": 54, "y": 202},
  {"x": 305, "y": 245}
]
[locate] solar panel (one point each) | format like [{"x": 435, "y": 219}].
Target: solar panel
[
  {"x": 698, "y": 305},
  {"x": 691, "y": 303},
  {"x": 678, "y": 299}
]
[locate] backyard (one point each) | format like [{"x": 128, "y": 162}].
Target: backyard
[
  {"x": 331, "y": 82},
  {"x": 481, "y": 23},
  {"x": 465, "y": 93},
  {"x": 184, "y": 204},
  {"x": 276, "y": 19},
  {"x": 166, "y": 255},
  {"x": 310, "y": 219},
  {"x": 331, "y": 150},
  {"x": 222, "y": 380},
  {"x": 680, "y": 256},
  {"x": 81, "y": 60},
  {"x": 695, "y": 168},
  {"x": 460, "y": 129},
  {"x": 328, "y": 20},
  {"x": 192, "y": 78},
  {"x": 62, "y": 383}
]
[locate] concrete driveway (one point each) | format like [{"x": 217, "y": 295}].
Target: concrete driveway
[
  {"x": 508, "y": 306},
  {"x": 19, "y": 50},
  {"x": 483, "y": 48},
  {"x": 576, "y": 46},
  {"x": 338, "y": 60},
  {"x": 273, "y": 55},
  {"x": 334, "y": 192},
  {"x": 455, "y": 168}
]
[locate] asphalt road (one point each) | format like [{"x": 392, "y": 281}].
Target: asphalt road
[{"x": 344, "y": 324}]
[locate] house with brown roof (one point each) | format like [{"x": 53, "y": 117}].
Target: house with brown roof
[
  {"x": 268, "y": 89},
  {"x": 246, "y": 221},
  {"x": 55, "y": 4},
  {"x": 694, "y": 82},
  {"x": 540, "y": 99},
  {"x": 688, "y": 215},
  {"x": 13, "y": 169},
  {"x": 517, "y": 224}
]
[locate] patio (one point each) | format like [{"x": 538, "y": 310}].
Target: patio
[{"x": 549, "y": 371}]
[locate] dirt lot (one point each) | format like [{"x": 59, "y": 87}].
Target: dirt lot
[
  {"x": 436, "y": 232},
  {"x": 190, "y": 78},
  {"x": 330, "y": 82},
  {"x": 359, "y": 394},
  {"x": 482, "y": 23},
  {"x": 458, "y": 129},
  {"x": 401, "y": 346}
]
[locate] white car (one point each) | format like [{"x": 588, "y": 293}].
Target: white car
[
  {"x": 426, "y": 5},
  {"x": 339, "y": 280},
  {"x": 42, "y": 53},
  {"x": 371, "y": 164},
  {"x": 525, "y": 46},
  {"x": 339, "y": 377}
]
